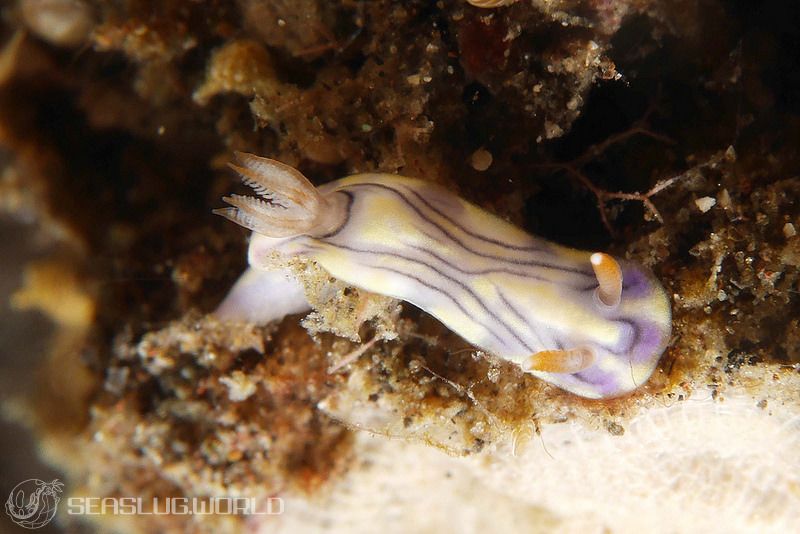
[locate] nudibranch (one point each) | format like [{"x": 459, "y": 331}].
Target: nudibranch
[{"x": 586, "y": 322}]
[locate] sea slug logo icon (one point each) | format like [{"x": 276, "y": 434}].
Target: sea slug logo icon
[{"x": 33, "y": 502}]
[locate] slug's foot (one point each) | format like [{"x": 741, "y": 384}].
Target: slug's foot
[{"x": 560, "y": 361}]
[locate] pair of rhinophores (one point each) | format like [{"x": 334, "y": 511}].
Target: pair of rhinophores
[{"x": 586, "y": 322}]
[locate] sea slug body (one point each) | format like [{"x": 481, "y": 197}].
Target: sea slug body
[{"x": 587, "y": 323}]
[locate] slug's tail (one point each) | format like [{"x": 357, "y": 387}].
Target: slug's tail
[{"x": 286, "y": 205}]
